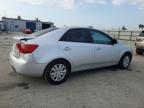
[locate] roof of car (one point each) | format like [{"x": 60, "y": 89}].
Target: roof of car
[{"x": 74, "y": 27}]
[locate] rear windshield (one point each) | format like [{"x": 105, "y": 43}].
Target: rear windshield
[
  {"x": 142, "y": 34},
  {"x": 42, "y": 32}
]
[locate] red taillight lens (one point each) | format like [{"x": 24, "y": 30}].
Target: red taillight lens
[
  {"x": 18, "y": 46},
  {"x": 26, "y": 48}
]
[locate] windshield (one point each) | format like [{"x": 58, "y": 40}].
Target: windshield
[
  {"x": 142, "y": 34},
  {"x": 42, "y": 32}
]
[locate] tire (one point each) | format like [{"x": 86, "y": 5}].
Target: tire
[
  {"x": 139, "y": 51},
  {"x": 125, "y": 61},
  {"x": 55, "y": 77}
]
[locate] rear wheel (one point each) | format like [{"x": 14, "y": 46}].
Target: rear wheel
[
  {"x": 139, "y": 51},
  {"x": 125, "y": 61},
  {"x": 57, "y": 72}
]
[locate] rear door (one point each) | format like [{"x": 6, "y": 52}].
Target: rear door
[
  {"x": 77, "y": 46},
  {"x": 106, "y": 53}
]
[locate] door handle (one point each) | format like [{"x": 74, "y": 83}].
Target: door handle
[{"x": 67, "y": 48}]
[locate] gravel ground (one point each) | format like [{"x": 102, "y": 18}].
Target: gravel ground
[{"x": 100, "y": 88}]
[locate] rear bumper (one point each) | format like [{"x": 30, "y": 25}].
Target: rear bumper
[
  {"x": 27, "y": 68},
  {"x": 139, "y": 45}
]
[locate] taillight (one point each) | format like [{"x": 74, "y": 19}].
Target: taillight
[
  {"x": 139, "y": 39},
  {"x": 26, "y": 48}
]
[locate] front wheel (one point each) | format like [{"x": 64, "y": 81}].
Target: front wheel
[
  {"x": 57, "y": 72},
  {"x": 125, "y": 61}
]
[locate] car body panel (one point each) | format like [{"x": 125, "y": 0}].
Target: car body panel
[
  {"x": 24, "y": 67},
  {"x": 106, "y": 54},
  {"x": 140, "y": 44},
  {"x": 123, "y": 48},
  {"x": 81, "y": 54},
  {"x": 140, "y": 41}
]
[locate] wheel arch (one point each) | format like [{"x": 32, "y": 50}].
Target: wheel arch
[
  {"x": 58, "y": 59},
  {"x": 127, "y": 52}
]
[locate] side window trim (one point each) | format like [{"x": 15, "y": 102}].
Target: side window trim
[
  {"x": 85, "y": 30},
  {"x": 100, "y": 33}
]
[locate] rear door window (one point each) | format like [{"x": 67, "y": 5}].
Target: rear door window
[
  {"x": 100, "y": 37},
  {"x": 77, "y": 35}
]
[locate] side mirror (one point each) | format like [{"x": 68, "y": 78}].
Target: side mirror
[{"x": 114, "y": 41}]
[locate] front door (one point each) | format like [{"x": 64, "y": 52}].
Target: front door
[{"x": 106, "y": 53}]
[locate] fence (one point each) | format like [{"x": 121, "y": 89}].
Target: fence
[{"x": 124, "y": 35}]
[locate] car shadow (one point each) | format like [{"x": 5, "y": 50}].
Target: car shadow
[
  {"x": 27, "y": 82},
  {"x": 94, "y": 71}
]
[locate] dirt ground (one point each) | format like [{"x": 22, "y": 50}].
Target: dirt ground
[{"x": 100, "y": 88}]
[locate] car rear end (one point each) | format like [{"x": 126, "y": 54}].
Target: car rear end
[
  {"x": 140, "y": 43},
  {"x": 21, "y": 57}
]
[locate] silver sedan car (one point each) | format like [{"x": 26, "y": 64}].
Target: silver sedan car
[{"x": 54, "y": 53}]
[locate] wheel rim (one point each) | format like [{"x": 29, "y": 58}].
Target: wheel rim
[
  {"x": 126, "y": 61},
  {"x": 58, "y": 72}
]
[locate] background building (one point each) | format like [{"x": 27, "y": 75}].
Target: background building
[
  {"x": 18, "y": 24},
  {"x": 1, "y": 26}
]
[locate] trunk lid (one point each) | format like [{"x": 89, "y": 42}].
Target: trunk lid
[{"x": 22, "y": 38}]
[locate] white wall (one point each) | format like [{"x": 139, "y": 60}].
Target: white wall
[
  {"x": 38, "y": 26},
  {"x": 14, "y": 25},
  {"x": 19, "y": 25},
  {"x": 1, "y": 26}
]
